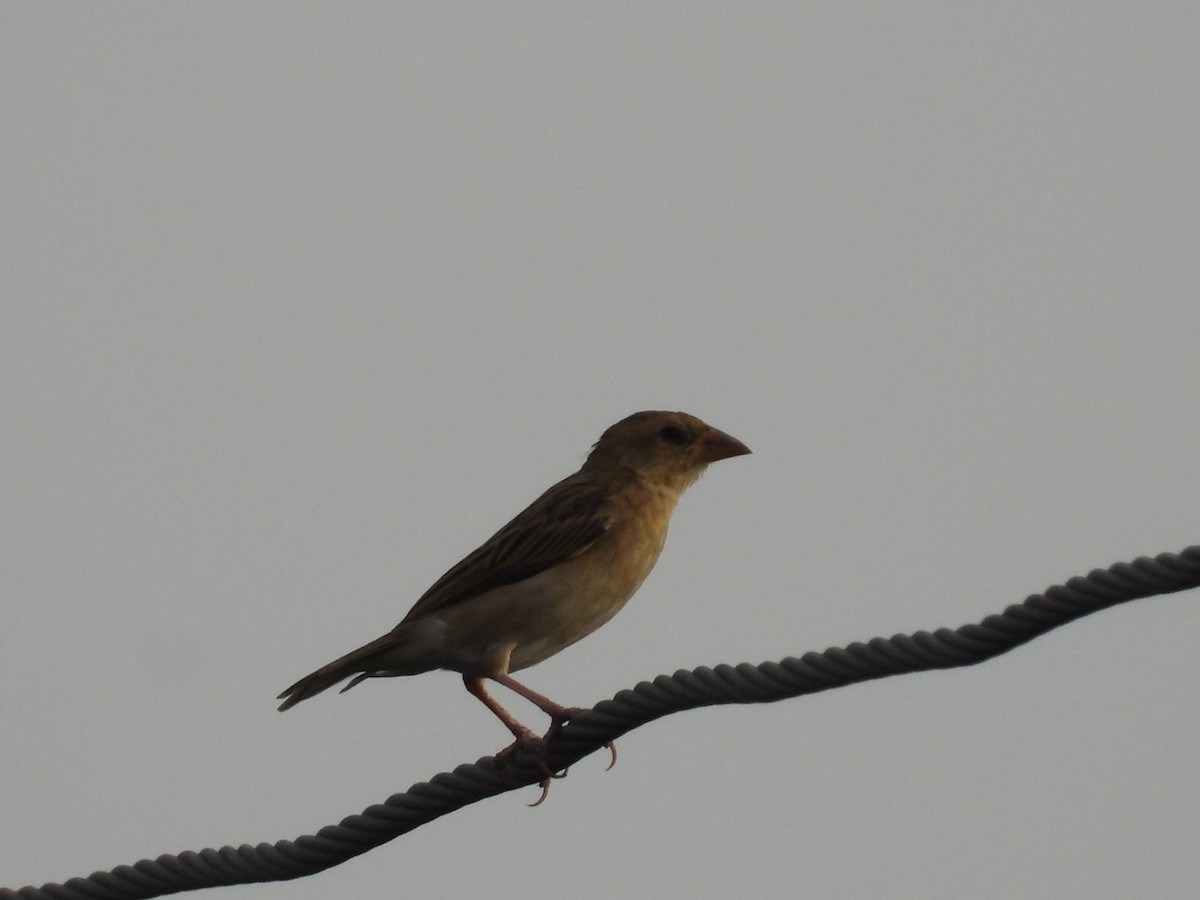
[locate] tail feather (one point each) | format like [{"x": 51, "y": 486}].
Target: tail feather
[
  {"x": 309, "y": 686},
  {"x": 364, "y": 662}
]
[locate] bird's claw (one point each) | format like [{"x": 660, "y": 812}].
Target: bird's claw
[
  {"x": 544, "y": 783},
  {"x": 565, "y": 715},
  {"x": 612, "y": 749},
  {"x": 527, "y": 740}
]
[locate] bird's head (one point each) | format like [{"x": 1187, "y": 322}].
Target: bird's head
[{"x": 670, "y": 449}]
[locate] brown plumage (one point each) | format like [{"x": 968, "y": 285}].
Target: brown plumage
[{"x": 553, "y": 575}]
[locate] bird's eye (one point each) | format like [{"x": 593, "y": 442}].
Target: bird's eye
[{"x": 674, "y": 435}]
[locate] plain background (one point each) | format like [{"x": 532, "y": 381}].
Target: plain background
[{"x": 303, "y": 301}]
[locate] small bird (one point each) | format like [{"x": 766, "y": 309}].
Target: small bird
[{"x": 558, "y": 571}]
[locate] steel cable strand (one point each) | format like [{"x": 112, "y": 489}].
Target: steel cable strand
[{"x": 745, "y": 683}]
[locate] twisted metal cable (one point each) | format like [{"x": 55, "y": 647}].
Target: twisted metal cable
[{"x": 771, "y": 681}]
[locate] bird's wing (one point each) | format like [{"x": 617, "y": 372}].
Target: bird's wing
[{"x": 559, "y": 525}]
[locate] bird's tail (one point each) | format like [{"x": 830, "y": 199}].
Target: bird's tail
[
  {"x": 310, "y": 686},
  {"x": 363, "y": 662}
]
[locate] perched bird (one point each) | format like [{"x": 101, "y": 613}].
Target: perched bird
[{"x": 553, "y": 575}]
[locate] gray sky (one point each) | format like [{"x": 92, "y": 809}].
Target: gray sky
[{"x": 301, "y": 302}]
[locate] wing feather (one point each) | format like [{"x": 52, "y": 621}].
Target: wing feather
[{"x": 558, "y": 526}]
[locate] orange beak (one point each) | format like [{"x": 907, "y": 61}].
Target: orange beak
[{"x": 715, "y": 445}]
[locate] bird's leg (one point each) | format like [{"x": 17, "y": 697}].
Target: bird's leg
[
  {"x": 525, "y": 738},
  {"x": 523, "y": 735},
  {"x": 559, "y": 715}
]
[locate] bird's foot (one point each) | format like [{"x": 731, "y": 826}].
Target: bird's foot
[
  {"x": 559, "y": 715},
  {"x": 539, "y": 746},
  {"x": 527, "y": 740},
  {"x": 565, "y": 714}
]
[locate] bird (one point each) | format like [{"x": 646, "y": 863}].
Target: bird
[{"x": 559, "y": 570}]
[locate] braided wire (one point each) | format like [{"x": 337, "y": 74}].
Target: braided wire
[{"x": 745, "y": 683}]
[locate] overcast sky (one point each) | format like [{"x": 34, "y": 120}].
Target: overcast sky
[{"x": 303, "y": 301}]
